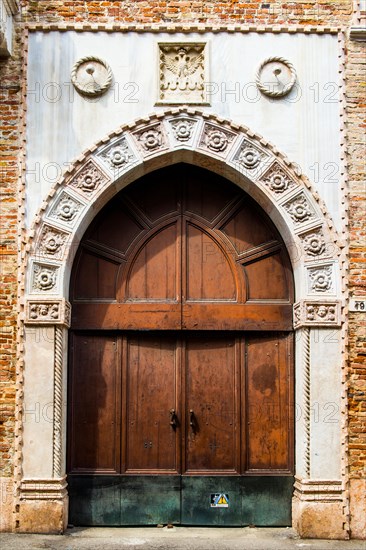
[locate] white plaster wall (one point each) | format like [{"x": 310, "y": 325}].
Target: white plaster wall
[
  {"x": 325, "y": 407},
  {"x": 38, "y": 402},
  {"x": 61, "y": 123}
]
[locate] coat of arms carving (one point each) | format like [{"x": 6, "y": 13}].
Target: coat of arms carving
[{"x": 182, "y": 73}]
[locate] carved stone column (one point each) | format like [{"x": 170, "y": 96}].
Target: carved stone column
[
  {"x": 318, "y": 492},
  {"x": 43, "y": 501}
]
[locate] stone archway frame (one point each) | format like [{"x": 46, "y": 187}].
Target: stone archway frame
[{"x": 235, "y": 152}]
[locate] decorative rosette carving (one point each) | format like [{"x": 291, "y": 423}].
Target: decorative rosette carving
[
  {"x": 66, "y": 209},
  {"x": 277, "y": 179},
  {"x": 321, "y": 279},
  {"x": 44, "y": 277},
  {"x": 51, "y": 242},
  {"x": 216, "y": 139},
  {"x": 249, "y": 156},
  {"x": 117, "y": 156},
  {"x": 313, "y": 243},
  {"x": 182, "y": 129},
  {"x": 151, "y": 139},
  {"x": 89, "y": 178},
  {"x": 299, "y": 209}
]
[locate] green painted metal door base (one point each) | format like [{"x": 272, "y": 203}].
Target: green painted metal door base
[{"x": 181, "y": 500}]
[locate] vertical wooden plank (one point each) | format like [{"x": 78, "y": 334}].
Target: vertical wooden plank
[
  {"x": 267, "y": 278},
  {"x": 268, "y": 403},
  {"x": 211, "y": 405},
  {"x": 209, "y": 273},
  {"x": 151, "y": 442},
  {"x": 153, "y": 275},
  {"x": 95, "y": 404}
]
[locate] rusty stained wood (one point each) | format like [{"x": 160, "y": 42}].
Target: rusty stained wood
[{"x": 181, "y": 359}]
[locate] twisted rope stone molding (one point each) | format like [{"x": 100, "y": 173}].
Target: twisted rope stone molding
[
  {"x": 57, "y": 403},
  {"x": 266, "y": 88},
  {"x": 307, "y": 397},
  {"x": 93, "y": 88},
  {"x": 180, "y": 135}
]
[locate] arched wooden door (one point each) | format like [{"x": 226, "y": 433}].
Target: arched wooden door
[{"x": 181, "y": 362}]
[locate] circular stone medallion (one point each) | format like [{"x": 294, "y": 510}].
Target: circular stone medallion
[
  {"x": 91, "y": 76},
  {"x": 275, "y": 77}
]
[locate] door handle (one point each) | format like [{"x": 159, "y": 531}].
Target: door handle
[
  {"x": 173, "y": 418},
  {"x": 192, "y": 420}
]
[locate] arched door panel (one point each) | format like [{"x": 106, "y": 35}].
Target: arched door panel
[
  {"x": 209, "y": 272},
  {"x": 155, "y": 271},
  {"x": 181, "y": 357}
]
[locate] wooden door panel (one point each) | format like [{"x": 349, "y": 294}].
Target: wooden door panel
[
  {"x": 209, "y": 274},
  {"x": 267, "y": 279},
  {"x": 130, "y": 316},
  {"x": 155, "y": 272},
  {"x": 156, "y": 198},
  {"x": 211, "y": 405},
  {"x": 94, "y": 420},
  {"x": 268, "y": 403},
  {"x": 247, "y": 229},
  {"x": 102, "y": 285},
  {"x": 218, "y": 316},
  {"x": 152, "y": 366},
  {"x": 205, "y": 196},
  {"x": 117, "y": 229}
]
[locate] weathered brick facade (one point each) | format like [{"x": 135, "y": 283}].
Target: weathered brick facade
[{"x": 339, "y": 14}]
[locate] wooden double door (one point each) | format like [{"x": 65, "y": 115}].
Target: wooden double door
[{"x": 181, "y": 360}]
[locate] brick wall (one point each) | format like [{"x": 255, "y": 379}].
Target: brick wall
[
  {"x": 295, "y": 12},
  {"x": 356, "y": 122},
  {"x": 333, "y": 13},
  {"x": 10, "y": 98}
]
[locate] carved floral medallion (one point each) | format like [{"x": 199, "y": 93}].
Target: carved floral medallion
[
  {"x": 66, "y": 209},
  {"x": 89, "y": 179},
  {"x": 313, "y": 243},
  {"x": 299, "y": 209},
  {"x": 51, "y": 242},
  {"x": 182, "y": 129},
  {"x": 277, "y": 180},
  {"x": 216, "y": 139},
  {"x": 117, "y": 156},
  {"x": 151, "y": 139},
  {"x": 44, "y": 277},
  {"x": 321, "y": 279}
]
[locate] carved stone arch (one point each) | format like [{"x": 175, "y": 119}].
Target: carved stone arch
[
  {"x": 164, "y": 138},
  {"x": 184, "y": 135}
]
